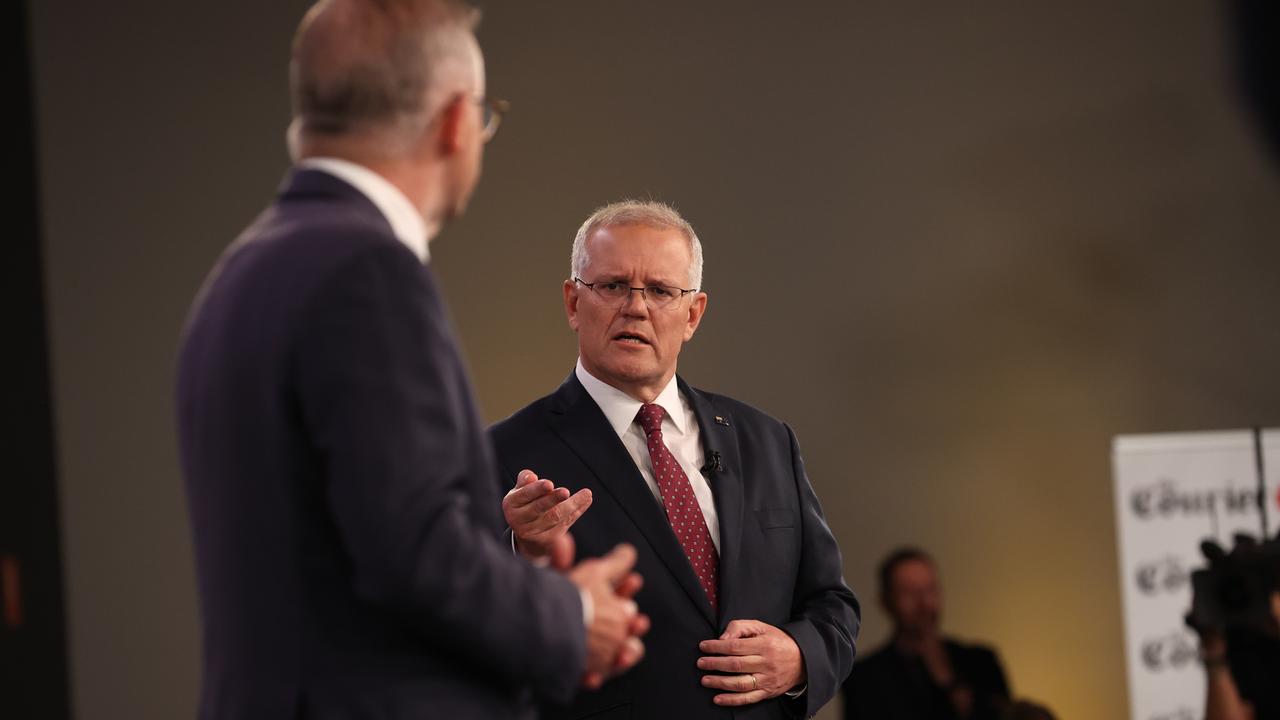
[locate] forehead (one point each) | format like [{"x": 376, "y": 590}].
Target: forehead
[
  {"x": 645, "y": 249},
  {"x": 912, "y": 573}
]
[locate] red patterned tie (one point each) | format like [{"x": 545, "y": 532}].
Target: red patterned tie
[{"x": 683, "y": 511}]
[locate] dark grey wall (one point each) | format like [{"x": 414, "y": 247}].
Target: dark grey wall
[{"x": 957, "y": 248}]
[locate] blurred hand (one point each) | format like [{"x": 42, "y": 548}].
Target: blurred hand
[
  {"x": 539, "y": 513},
  {"x": 765, "y": 661},
  {"x": 613, "y": 638}
]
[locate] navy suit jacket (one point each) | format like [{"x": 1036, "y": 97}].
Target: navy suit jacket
[
  {"x": 342, "y": 492},
  {"x": 779, "y": 562}
]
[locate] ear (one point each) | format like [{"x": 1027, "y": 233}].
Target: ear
[
  {"x": 571, "y": 303},
  {"x": 696, "y": 309},
  {"x": 449, "y": 135}
]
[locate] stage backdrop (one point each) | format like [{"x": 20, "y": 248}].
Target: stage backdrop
[
  {"x": 1172, "y": 492},
  {"x": 959, "y": 248}
]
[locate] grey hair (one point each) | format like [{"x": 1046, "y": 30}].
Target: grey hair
[
  {"x": 649, "y": 213},
  {"x": 376, "y": 65}
]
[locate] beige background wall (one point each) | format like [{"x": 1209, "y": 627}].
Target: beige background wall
[{"x": 958, "y": 247}]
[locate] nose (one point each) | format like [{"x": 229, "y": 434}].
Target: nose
[{"x": 635, "y": 303}]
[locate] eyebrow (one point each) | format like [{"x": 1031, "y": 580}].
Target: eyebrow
[{"x": 617, "y": 278}]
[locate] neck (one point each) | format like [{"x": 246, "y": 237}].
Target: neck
[
  {"x": 416, "y": 183},
  {"x": 420, "y": 183}
]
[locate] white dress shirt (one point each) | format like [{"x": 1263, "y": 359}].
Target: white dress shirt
[
  {"x": 405, "y": 220},
  {"x": 680, "y": 433}
]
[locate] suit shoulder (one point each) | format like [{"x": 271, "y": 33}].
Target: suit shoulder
[
  {"x": 871, "y": 669},
  {"x": 970, "y": 649},
  {"x": 975, "y": 655},
  {"x": 740, "y": 411},
  {"x": 519, "y": 422}
]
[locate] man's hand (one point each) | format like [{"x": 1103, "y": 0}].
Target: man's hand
[
  {"x": 765, "y": 661},
  {"x": 613, "y": 638},
  {"x": 538, "y": 512}
]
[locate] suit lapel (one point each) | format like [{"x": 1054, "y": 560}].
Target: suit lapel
[
  {"x": 720, "y": 439},
  {"x": 578, "y": 421}
]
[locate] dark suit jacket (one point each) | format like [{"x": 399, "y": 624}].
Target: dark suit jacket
[
  {"x": 891, "y": 686},
  {"x": 342, "y": 490},
  {"x": 779, "y": 562}
]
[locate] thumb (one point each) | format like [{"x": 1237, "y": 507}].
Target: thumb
[
  {"x": 740, "y": 629},
  {"x": 618, "y": 563}
]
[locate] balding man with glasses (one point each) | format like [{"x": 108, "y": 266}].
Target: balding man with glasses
[
  {"x": 751, "y": 616},
  {"x": 340, "y": 483}
]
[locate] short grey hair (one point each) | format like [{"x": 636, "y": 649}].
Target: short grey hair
[
  {"x": 649, "y": 213},
  {"x": 362, "y": 65}
]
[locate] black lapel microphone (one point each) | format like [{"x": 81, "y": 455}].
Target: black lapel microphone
[{"x": 712, "y": 465}]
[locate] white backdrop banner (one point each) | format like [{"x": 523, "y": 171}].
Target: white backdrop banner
[{"x": 1172, "y": 492}]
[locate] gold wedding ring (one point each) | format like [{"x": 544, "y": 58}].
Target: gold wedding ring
[{"x": 755, "y": 684}]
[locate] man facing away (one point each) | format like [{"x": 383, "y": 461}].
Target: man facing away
[
  {"x": 341, "y": 488},
  {"x": 920, "y": 674},
  {"x": 751, "y": 616}
]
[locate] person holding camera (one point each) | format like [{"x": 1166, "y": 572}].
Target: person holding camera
[{"x": 1235, "y": 610}]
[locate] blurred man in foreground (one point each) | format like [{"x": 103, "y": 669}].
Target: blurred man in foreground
[
  {"x": 751, "y": 617},
  {"x": 341, "y": 488},
  {"x": 920, "y": 674}
]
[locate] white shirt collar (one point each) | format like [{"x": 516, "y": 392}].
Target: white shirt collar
[
  {"x": 620, "y": 409},
  {"x": 405, "y": 220}
]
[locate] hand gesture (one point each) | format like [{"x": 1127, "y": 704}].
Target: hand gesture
[
  {"x": 764, "y": 661},
  {"x": 613, "y": 637},
  {"x": 538, "y": 513}
]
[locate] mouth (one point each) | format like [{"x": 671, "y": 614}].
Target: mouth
[{"x": 631, "y": 338}]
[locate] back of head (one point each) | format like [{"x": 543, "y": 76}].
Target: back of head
[{"x": 365, "y": 69}]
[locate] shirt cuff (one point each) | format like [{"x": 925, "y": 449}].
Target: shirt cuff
[
  {"x": 588, "y": 608},
  {"x": 797, "y": 692},
  {"x": 538, "y": 562}
]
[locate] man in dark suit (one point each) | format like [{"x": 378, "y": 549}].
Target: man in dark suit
[
  {"x": 340, "y": 483},
  {"x": 920, "y": 674},
  {"x": 751, "y": 616}
]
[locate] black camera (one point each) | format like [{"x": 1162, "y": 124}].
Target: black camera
[{"x": 1234, "y": 591}]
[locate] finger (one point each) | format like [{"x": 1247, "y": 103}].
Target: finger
[
  {"x": 732, "y": 683},
  {"x": 618, "y": 563},
  {"x": 562, "y": 551},
  {"x": 545, "y": 503},
  {"x": 732, "y": 663},
  {"x": 520, "y": 497},
  {"x": 592, "y": 680},
  {"x": 639, "y": 625},
  {"x": 568, "y": 512},
  {"x": 741, "y": 629},
  {"x": 737, "y": 646},
  {"x": 630, "y": 585},
  {"x": 524, "y": 478},
  {"x": 632, "y": 652},
  {"x": 746, "y": 698}
]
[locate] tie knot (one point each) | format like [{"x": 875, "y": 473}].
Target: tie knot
[{"x": 650, "y": 417}]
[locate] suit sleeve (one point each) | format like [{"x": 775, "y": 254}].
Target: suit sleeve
[
  {"x": 825, "y": 613},
  {"x": 384, "y": 402}
]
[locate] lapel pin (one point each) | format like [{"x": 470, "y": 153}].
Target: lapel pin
[{"x": 722, "y": 421}]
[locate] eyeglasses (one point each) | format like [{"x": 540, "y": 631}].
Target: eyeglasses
[
  {"x": 656, "y": 297},
  {"x": 491, "y": 112}
]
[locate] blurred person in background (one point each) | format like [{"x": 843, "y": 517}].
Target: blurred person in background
[
  {"x": 921, "y": 674},
  {"x": 1235, "y": 609}
]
